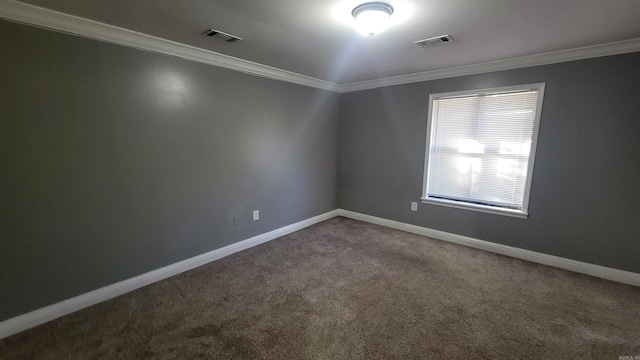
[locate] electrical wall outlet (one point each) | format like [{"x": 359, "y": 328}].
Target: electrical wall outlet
[
  {"x": 256, "y": 215},
  {"x": 414, "y": 206},
  {"x": 237, "y": 217}
]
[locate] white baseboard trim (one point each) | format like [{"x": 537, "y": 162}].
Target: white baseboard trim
[
  {"x": 54, "y": 311},
  {"x": 622, "y": 276}
]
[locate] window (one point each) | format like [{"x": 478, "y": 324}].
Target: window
[{"x": 480, "y": 148}]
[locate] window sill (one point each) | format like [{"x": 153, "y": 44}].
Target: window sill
[{"x": 475, "y": 207}]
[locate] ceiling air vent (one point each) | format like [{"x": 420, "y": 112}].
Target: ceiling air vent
[
  {"x": 222, "y": 35},
  {"x": 442, "y": 39}
]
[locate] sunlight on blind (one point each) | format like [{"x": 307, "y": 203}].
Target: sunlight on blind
[{"x": 480, "y": 148}]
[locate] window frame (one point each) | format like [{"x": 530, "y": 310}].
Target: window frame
[{"x": 524, "y": 213}]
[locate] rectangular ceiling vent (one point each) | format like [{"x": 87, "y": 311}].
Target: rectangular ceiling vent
[
  {"x": 222, "y": 35},
  {"x": 442, "y": 39}
]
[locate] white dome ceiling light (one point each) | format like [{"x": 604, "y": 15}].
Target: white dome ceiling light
[{"x": 372, "y": 17}]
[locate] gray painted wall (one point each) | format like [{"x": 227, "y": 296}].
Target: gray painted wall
[
  {"x": 115, "y": 162},
  {"x": 585, "y": 196}
]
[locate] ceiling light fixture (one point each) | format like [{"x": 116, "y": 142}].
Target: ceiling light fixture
[{"x": 372, "y": 17}]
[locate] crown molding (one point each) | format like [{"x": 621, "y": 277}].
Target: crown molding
[
  {"x": 50, "y": 19},
  {"x": 587, "y": 52}
]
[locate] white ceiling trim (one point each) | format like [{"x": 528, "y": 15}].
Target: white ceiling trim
[
  {"x": 586, "y": 52},
  {"x": 38, "y": 16},
  {"x": 35, "y": 15}
]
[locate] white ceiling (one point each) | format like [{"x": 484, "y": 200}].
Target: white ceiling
[{"x": 314, "y": 37}]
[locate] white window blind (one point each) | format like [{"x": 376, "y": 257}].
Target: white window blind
[{"x": 480, "y": 147}]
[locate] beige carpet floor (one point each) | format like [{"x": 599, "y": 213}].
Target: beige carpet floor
[{"x": 344, "y": 289}]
